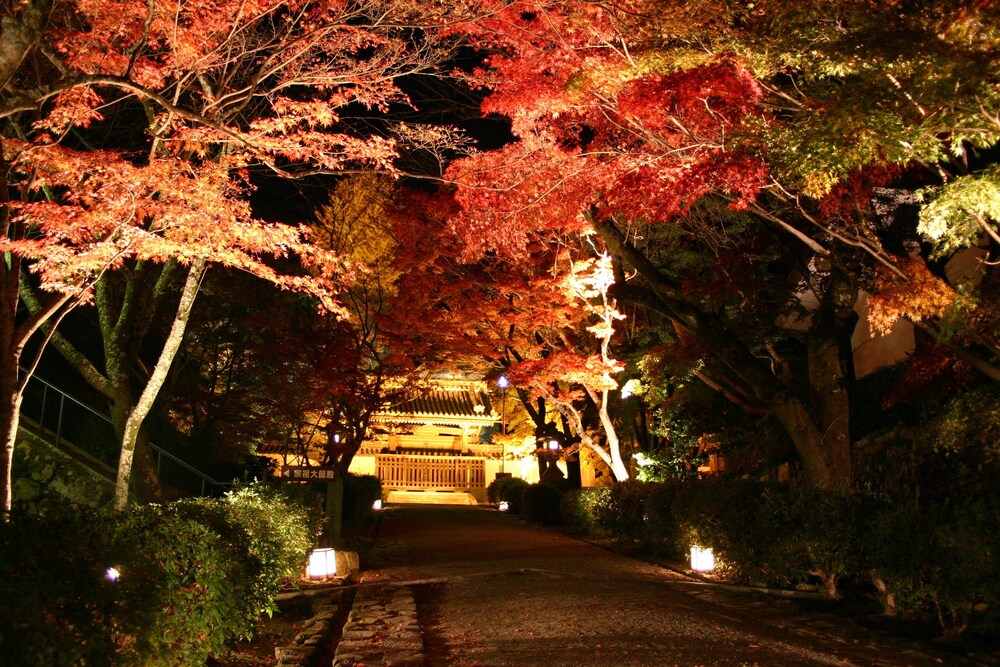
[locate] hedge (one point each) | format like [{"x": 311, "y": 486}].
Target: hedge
[
  {"x": 194, "y": 576},
  {"x": 936, "y": 561}
]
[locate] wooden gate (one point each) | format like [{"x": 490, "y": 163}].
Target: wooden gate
[{"x": 404, "y": 472}]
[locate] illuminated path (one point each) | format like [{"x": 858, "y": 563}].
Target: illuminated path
[{"x": 492, "y": 590}]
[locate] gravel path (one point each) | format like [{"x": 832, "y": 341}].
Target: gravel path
[{"x": 490, "y": 589}]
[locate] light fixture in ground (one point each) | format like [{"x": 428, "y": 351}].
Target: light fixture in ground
[
  {"x": 112, "y": 574},
  {"x": 702, "y": 559},
  {"x": 322, "y": 564},
  {"x": 377, "y": 505},
  {"x": 504, "y": 506}
]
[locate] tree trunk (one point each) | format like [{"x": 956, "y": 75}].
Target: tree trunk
[
  {"x": 829, "y": 355},
  {"x": 136, "y": 415},
  {"x": 19, "y": 33},
  {"x": 10, "y": 416},
  {"x": 826, "y": 463},
  {"x": 333, "y": 524},
  {"x": 618, "y": 468},
  {"x": 10, "y": 397}
]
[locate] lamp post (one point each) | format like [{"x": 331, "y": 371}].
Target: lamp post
[{"x": 503, "y": 383}]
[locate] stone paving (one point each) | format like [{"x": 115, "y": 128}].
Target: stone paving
[{"x": 382, "y": 629}]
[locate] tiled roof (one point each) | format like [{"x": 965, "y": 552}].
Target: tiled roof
[{"x": 445, "y": 403}]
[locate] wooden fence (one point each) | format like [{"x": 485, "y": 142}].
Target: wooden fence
[{"x": 404, "y": 472}]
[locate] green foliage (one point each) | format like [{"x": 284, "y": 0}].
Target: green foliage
[
  {"x": 663, "y": 534},
  {"x": 673, "y": 459},
  {"x": 195, "y": 575},
  {"x": 935, "y": 561},
  {"x": 56, "y": 606},
  {"x": 958, "y": 213},
  {"x": 623, "y": 510},
  {"x": 734, "y": 519},
  {"x": 944, "y": 508},
  {"x": 891, "y": 83},
  {"x": 939, "y": 561},
  {"x": 618, "y": 510},
  {"x": 969, "y": 424},
  {"x": 822, "y": 530},
  {"x": 541, "y": 503},
  {"x": 179, "y": 604},
  {"x": 769, "y": 533},
  {"x": 509, "y": 489},
  {"x": 578, "y": 509}
]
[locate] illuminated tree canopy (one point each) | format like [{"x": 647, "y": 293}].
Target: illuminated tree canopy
[{"x": 742, "y": 174}]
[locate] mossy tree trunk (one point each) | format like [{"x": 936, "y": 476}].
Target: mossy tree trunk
[
  {"x": 817, "y": 425},
  {"x": 134, "y": 417}
]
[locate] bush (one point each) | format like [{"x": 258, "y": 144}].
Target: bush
[
  {"x": 743, "y": 522},
  {"x": 662, "y": 530},
  {"x": 179, "y": 603},
  {"x": 511, "y": 490},
  {"x": 624, "y": 512},
  {"x": 938, "y": 562},
  {"x": 820, "y": 537},
  {"x": 56, "y": 606},
  {"x": 630, "y": 511},
  {"x": 541, "y": 503},
  {"x": 195, "y": 575},
  {"x": 578, "y": 510},
  {"x": 492, "y": 491}
]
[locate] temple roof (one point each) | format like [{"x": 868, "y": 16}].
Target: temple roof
[{"x": 453, "y": 405}]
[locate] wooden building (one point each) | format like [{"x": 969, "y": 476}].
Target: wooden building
[{"x": 430, "y": 448}]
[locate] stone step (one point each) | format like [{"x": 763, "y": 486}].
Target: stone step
[{"x": 431, "y": 497}]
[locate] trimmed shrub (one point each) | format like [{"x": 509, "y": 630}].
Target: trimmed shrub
[
  {"x": 492, "y": 491},
  {"x": 623, "y": 514},
  {"x": 578, "y": 510},
  {"x": 663, "y": 535},
  {"x": 938, "y": 562},
  {"x": 541, "y": 503},
  {"x": 820, "y": 537},
  {"x": 742, "y": 523},
  {"x": 511, "y": 489}
]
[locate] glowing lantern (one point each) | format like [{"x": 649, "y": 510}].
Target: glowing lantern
[
  {"x": 377, "y": 505},
  {"x": 322, "y": 564},
  {"x": 702, "y": 559},
  {"x": 112, "y": 574},
  {"x": 504, "y": 506}
]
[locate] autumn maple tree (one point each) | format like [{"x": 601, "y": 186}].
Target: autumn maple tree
[
  {"x": 132, "y": 136},
  {"x": 526, "y": 319},
  {"x": 631, "y": 115}
]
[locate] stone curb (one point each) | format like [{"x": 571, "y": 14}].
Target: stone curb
[{"x": 382, "y": 629}]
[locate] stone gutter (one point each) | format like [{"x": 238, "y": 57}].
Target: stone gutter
[{"x": 320, "y": 629}]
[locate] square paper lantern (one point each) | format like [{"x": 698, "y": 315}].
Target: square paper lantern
[
  {"x": 322, "y": 564},
  {"x": 702, "y": 559}
]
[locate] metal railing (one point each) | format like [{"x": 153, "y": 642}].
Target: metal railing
[
  {"x": 431, "y": 473},
  {"x": 52, "y": 414}
]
